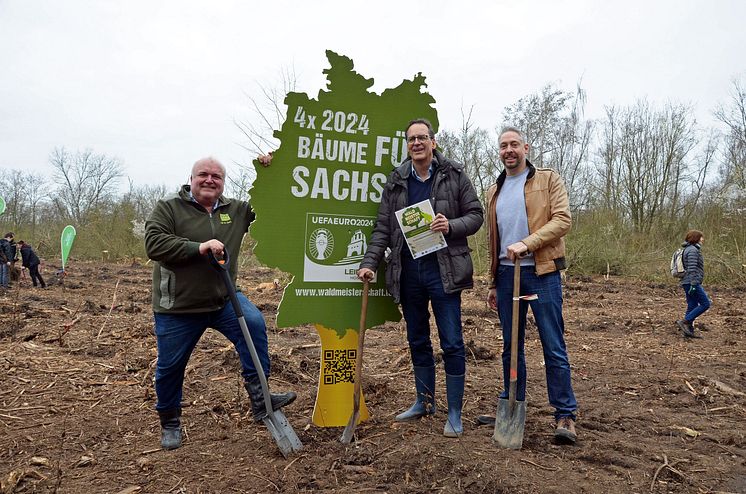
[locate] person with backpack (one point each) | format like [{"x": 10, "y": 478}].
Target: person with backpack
[{"x": 697, "y": 300}]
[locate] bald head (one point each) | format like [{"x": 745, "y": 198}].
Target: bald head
[
  {"x": 207, "y": 181},
  {"x": 209, "y": 160}
]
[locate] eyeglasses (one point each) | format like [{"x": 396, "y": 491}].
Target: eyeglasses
[{"x": 422, "y": 138}]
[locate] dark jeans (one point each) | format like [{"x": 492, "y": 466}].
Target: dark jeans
[
  {"x": 33, "y": 272},
  {"x": 547, "y": 310},
  {"x": 421, "y": 285},
  {"x": 177, "y": 335},
  {"x": 696, "y": 301},
  {"x": 4, "y": 274}
]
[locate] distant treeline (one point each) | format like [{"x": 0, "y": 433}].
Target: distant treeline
[{"x": 638, "y": 179}]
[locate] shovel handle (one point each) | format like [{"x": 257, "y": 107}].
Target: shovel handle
[
  {"x": 350, "y": 428},
  {"x": 221, "y": 265},
  {"x": 513, "y": 388},
  {"x": 360, "y": 344}
]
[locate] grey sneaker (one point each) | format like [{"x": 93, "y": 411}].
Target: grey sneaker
[{"x": 687, "y": 328}]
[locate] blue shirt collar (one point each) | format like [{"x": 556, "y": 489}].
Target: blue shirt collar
[{"x": 429, "y": 172}]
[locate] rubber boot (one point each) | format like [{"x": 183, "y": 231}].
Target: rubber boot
[
  {"x": 424, "y": 383},
  {"x": 170, "y": 428},
  {"x": 455, "y": 395},
  {"x": 256, "y": 395}
]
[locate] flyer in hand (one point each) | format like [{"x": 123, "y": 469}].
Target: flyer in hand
[{"x": 415, "y": 221}]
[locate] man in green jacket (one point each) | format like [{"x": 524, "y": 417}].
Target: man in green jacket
[{"x": 189, "y": 296}]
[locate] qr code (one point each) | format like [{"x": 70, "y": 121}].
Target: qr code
[{"x": 339, "y": 366}]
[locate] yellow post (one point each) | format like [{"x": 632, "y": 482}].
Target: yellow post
[{"x": 333, "y": 406}]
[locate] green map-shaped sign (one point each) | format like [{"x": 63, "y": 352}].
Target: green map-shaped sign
[{"x": 316, "y": 205}]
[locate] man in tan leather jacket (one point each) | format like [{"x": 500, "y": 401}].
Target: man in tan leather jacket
[{"x": 528, "y": 215}]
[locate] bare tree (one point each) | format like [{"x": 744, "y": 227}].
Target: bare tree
[
  {"x": 239, "y": 185},
  {"x": 37, "y": 192},
  {"x": 645, "y": 161},
  {"x": 734, "y": 159},
  {"x": 87, "y": 182},
  {"x": 610, "y": 168},
  {"x": 267, "y": 112},
  {"x": 538, "y": 115},
  {"x": 143, "y": 198},
  {"x": 13, "y": 190},
  {"x": 476, "y": 149},
  {"x": 558, "y": 136}
]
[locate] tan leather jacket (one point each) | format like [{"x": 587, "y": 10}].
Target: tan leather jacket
[{"x": 548, "y": 212}]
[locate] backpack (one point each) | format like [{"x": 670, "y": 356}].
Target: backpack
[{"x": 677, "y": 264}]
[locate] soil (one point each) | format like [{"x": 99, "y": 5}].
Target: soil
[{"x": 658, "y": 413}]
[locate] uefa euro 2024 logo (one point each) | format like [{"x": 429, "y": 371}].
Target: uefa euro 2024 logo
[{"x": 321, "y": 244}]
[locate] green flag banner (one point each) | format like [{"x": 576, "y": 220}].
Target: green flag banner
[
  {"x": 316, "y": 206},
  {"x": 66, "y": 243},
  {"x": 2, "y": 205}
]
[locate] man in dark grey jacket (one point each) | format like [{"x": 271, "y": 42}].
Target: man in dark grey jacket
[{"x": 436, "y": 278}]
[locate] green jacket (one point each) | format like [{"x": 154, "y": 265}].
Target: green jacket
[{"x": 184, "y": 281}]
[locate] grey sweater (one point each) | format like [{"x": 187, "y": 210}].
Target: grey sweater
[{"x": 694, "y": 264}]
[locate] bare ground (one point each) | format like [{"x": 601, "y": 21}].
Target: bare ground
[{"x": 657, "y": 413}]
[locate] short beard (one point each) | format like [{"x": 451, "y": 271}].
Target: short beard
[{"x": 510, "y": 167}]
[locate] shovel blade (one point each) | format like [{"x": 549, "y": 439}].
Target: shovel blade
[
  {"x": 282, "y": 433},
  {"x": 510, "y": 424},
  {"x": 349, "y": 431}
]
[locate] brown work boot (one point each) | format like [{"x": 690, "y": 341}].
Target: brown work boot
[{"x": 565, "y": 432}]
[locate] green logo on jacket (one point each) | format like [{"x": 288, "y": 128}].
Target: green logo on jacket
[{"x": 225, "y": 219}]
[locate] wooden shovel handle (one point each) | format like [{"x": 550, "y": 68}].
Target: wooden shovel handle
[
  {"x": 360, "y": 344},
  {"x": 513, "y": 388},
  {"x": 350, "y": 429}
]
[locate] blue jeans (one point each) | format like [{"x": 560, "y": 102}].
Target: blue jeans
[
  {"x": 547, "y": 312},
  {"x": 421, "y": 284},
  {"x": 696, "y": 301},
  {"x": 177, "y": 335},
  {"x": 4, "y": 274}
]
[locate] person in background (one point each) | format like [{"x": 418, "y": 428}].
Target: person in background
[
  {"x": 697, "y": 300},
  {"x": 7, "y": 257},
  {"x": 30, "y": 260},
  {"x": 434, "y": 280},
  {"x": 189, "y": 296}
]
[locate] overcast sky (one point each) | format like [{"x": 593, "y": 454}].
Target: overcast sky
[{"x": 158, "y": 84}]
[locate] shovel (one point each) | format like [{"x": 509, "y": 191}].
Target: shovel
[
  {"x": 350, "y": 428},
  {"x": 510, "y": 420},
  {"x": 278, "y": 425}
]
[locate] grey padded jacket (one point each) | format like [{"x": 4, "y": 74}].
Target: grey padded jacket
[{"x": 694, "y": 264}]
